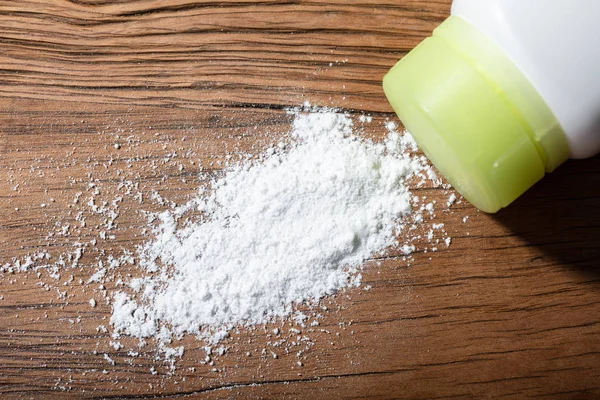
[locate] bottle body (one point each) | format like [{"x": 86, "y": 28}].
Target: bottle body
[
  {"x": 503, "y": 92},
  {"x": 555, "y": 45}
]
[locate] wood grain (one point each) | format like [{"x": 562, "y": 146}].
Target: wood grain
[{"x": 510, "y": 310}]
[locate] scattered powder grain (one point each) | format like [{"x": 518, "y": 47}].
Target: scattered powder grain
[{"x": 267, "y": 240}]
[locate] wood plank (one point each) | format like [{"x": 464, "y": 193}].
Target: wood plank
[{"x": 509, "y": 310}]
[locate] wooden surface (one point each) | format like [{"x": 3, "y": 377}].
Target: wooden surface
[{"x": 510, "y": 310}]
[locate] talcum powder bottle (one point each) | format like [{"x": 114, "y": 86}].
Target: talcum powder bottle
[{"x": 503, "y": 92}]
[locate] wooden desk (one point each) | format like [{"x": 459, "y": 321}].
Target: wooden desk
[{"x": 510, "y": 310}]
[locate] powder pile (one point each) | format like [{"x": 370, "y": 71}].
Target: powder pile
[{"x": 288, "y": 228}]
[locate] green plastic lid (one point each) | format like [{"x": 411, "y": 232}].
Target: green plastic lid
[{"x": 475, "y": 115}]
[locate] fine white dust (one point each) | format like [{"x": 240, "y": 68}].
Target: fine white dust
[
  {"x": 270, "y": 234},
  {"x": 295, "y": 226}
]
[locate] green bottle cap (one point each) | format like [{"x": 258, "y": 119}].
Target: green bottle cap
[{"x": 475, "y": 115}]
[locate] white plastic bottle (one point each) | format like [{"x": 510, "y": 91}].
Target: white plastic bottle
[{"x": 504, "y": 91}]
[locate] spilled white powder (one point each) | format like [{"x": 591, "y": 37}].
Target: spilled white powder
[{"x": 293, "y": 226}]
